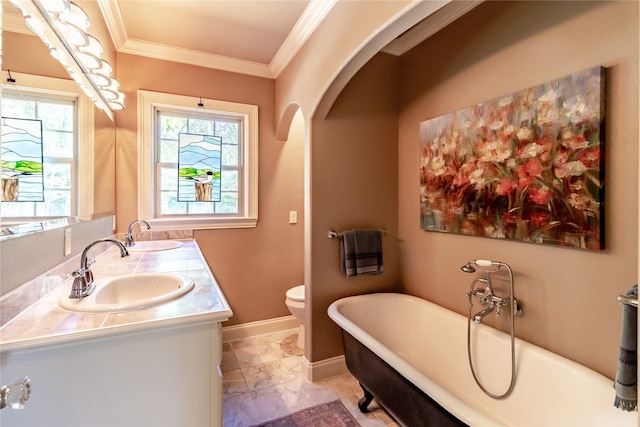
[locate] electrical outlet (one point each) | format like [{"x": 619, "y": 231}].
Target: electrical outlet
[
  {"x": 293, "y": 217},
  {"x": 67, "y": 241}
]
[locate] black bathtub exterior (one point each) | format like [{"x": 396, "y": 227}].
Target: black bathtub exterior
[{"x": 409, "y": 405}]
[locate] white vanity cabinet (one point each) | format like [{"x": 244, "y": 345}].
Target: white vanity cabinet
[{"x": 159, "y": 376}]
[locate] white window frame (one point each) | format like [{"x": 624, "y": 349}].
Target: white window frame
[
  {"x": 40, "y": 85},
  {"x": 148, "y": 104}
]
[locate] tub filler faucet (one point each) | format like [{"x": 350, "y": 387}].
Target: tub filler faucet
[
  {"x": 494, "y": 303},
  {"x": 128, "y": 239},
  {"x": 477, "y": 318},
  {"x": 83, "y": 277},
  {"x": 486, "y": 297}
]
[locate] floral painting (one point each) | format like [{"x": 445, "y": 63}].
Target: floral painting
[{"x": 526, "y": 167}]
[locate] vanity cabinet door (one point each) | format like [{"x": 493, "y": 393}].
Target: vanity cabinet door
[{"x": 163, "y": 377}]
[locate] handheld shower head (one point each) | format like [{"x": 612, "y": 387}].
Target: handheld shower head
[
  {"x": 484, "y": 265},
  {"x": 468, "y": 268}
]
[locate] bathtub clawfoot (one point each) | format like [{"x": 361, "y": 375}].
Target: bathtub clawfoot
[{"x": 365, "y": 401}]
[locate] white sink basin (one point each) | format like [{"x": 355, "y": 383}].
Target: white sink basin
[
  {"x": 131, "y": 292},
  {"x": 154, "y": 245}
]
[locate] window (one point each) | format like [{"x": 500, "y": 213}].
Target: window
[
  {"x": 60, "y": 106},
  {"x": 162, "y": 119}
]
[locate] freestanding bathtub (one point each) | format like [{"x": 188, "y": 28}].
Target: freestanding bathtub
[{"x": 411, "y": 355}]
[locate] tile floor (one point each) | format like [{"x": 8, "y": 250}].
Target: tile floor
[{"x": 263, "y": 381}]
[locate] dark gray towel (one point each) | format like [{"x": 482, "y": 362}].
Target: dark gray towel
[
  {"x": 361, "y": 252},
  {"x": 626, "y": 384}
]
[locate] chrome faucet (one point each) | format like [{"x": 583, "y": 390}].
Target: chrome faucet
[
  {"x": 486, "y": 296},
  {"x": 494, "y": 303},
  {"x": 83, "y": 277},
  {"x": 477, "y": 318},
  {"x": 128, "y": 239}
]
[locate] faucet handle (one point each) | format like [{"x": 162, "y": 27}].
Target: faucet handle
[{"x": 83, "y": 269}]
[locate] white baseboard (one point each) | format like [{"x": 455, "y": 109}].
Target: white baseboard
[
  {"x": 260, "y": 327},
  {"x": 315, "y": 371}
]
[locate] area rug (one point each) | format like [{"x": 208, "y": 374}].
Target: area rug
[{"x": 332, "y": 414}]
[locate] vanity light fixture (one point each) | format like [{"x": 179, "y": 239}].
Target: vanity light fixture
[{"x": 62, "y": 25}]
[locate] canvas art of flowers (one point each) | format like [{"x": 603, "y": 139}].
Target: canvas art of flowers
[{"x": 526, "y": 167}]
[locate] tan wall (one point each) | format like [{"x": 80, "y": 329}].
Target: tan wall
[
  {"x": 568, "y": 295},
  {"x": 39, "y": 62},
  {"x": 104, "y": 154},
  {"x": 354, "y": 185},
  {"x": 255, "y": 266}
]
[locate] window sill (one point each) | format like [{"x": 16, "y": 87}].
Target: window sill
[{"x": 202, "y": 223}]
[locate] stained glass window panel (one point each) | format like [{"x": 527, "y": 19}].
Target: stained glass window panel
[
  {"x": 199, "y": 167},
  {"x": 22, "y": 160}
]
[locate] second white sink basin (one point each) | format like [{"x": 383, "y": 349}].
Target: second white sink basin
[
  {"x": 131, "y": 292},
  {"x": 154, "y": 245}
]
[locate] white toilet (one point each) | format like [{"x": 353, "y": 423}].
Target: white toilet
[{"x": 295, "y": 303}]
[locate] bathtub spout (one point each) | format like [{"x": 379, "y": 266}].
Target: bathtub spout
[{"x": 480, "y": 315}]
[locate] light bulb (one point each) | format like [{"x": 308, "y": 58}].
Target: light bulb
[
  {"x": 55, "y": 6},
  {"x": 75, "y": 16}
]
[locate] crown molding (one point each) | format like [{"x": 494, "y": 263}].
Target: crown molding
[
  {"x": 315, "y": 12},
  {"x": 429, "y": 26},
  {"x": 115, "y": 23},
  {"x": 194, "y": 57},
  {"x": 313, "y": 15}
]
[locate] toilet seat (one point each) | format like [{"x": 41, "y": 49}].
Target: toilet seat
[{"x": 296, "y": 294}]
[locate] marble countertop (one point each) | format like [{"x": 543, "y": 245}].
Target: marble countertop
[{"x": 45, "y": 323}]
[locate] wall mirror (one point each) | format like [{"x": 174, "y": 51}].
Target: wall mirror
[{"x": 94, "y": 165}]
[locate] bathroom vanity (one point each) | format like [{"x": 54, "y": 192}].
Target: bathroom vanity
[{"x": 152, "y": 366}]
